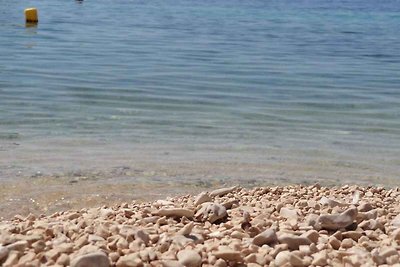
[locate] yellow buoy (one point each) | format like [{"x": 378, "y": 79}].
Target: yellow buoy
[{"x": 31, "y": 15}]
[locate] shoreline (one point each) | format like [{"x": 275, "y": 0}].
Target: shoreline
[
  {"x": 48, "y": 194},
  {"x": 291, "y": 225}
]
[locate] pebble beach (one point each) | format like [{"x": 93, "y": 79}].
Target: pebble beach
[
  {"x": 292, "y": 225},
  {"x": 199, "y": 133}
]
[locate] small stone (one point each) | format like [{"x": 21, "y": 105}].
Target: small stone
[
  {"x": 223, "y": 191},
  {"x": 202, "y": 198},
  {"x": 353, "y": 235},
  {"x": 220, "y": 263},
  {"x": 33, "y": 238},
  {"x": 239, "y": 235},
  {"x": 27, "y": 258},
  {"x": 106, "y": 213},
  {"x": 11, "y": 260},
  {"x": 393, "y": 260},
  {"x": 39, "y": 246},
  {"x": 330, "y": 202},
  {"x": 161, "y": 202},
  {"x": 372, "y": 214},
  {"x": 295, "y": 260},
  {"x": 102, "y": 232},
  {"x": 143, "y": 235},
  {"x": 162, "y": 221},
  {"x": 144, "y": 255},
  {"x": 395, "y": 235},
  {"x": 130, "y": 260},
  {"x": 347, "y": 243},
  {"x": 320, "y": 258},
  {"x": 63, "y": 259},
  {"x": 338, "y": 235},
  {"x": 388, "y": 252},
  {"x": 312, "y": 235},
  {"x": 356, "y": 198},
  {"x": 65, "y": 248},
  {"x": 293, "y": 241},
  {"x": 369, "y": 194},
  {"x": 18, "y": 246},
  {"x": 265, "y": 238},
  {"x": 151, "y": 219},
  {"x": 114, "y": 256},
  {"x": 3, "y": 252},
  {"x": 82, "y": 241},
  {"x": 128, "y": 213},
  {"x": 364, "y": 207},
  {"x": 278, "y": 248},
  {"x": 311, "y": 220},
  {"x": 311, "y": 203},
  {"x": 229, "y": 204},
  {"x": 371, "y": 225},
  {"x": 305, "y": 249},
  {"x": 396, "y": 221},
  {"x": 72, "y": 216},
  {"x": 187, "y": 229},
  {"x": 279, "y": 206},
  {"x": 96, "y": 259},
  {"x": 250, "y": 258},
  {"x": 334, "y": 242},
  {"x": 282, "y": 258},
  {"x": 181, "y": 240},
  {"x": 95, "y": 238},
  {"x": 52, "y": 254},
  {"x": 301, "y": 203},
  {"x": 176, "y": 212},
  {"x": 171, "y": 263},
  {"x": 228, "y": 255},
  {"x": 189, "y": 258},
  {"x": 337, "y": 221},
  {"x": 122, "y": 243},
  {"x": 211, "y": 212},
  {"x": 288, "y": 213}
]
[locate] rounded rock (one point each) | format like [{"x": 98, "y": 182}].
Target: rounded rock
[
  {"x": 228, "y": 255},
  {"x": 267, "y": 237},
  {"x": 130, "y": 260},
  {"x": 320, "y": 258},
  {"x": 395, "y": 235},
  {"x": 293, "y": 241},
  {"x": 334, "y": 242},
  {"x": 347, "y": 243},
  {"x": 282, "y": 258},
  {"x": 96, "y": 259},
  {"x": 312, "y": 235},
  {"x": 189, "y": 258},
  {"x": 288, "y": 213},
  {"x": 3, "y": 252}
]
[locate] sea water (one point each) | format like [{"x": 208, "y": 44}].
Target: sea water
[{"x": 251, "y": 90}]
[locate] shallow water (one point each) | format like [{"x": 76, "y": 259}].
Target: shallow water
[{"x": 197, "y": 91}]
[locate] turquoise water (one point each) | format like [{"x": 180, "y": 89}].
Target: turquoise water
[{"x": 304, "y": 88}]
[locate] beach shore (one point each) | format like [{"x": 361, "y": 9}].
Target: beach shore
[{"x": 294, "y": 225}]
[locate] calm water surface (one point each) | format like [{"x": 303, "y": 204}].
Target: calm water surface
[{"x": 246, "y": 89}]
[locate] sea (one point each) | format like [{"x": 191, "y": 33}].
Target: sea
[{"x": 175, "y": 94}]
